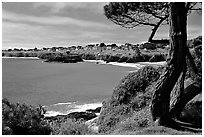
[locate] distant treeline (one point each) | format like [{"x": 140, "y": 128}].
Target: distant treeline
[{"x": 149, "y": 53}]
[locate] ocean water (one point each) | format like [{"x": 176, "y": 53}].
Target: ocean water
[{"x": 60, "y": 88}]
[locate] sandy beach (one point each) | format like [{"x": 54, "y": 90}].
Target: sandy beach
[{"x": 137, "y": 65}]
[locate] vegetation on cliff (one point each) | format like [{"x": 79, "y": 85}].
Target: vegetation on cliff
[{"x": 130, "y": 95}]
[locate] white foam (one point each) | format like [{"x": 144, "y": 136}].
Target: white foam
[
  {"x": 95, "y": 61},
  {"x": 133, "y": 65},
  {"x": 52, "y": 113},
  {"x": 66, "y": 103},
  {"x": 84, "y": 107},
  {"x": 137, "y": 65},
  {"x": 74, "y": 108},
  {"x": 152, "y": 63}
]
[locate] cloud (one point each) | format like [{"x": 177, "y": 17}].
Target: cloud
[
  {"x": 53, "y": 20},
  {"x": 23, "y": 34},
  {"x": 56, "y": 7}
]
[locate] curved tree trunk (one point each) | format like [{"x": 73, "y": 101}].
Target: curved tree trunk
[
  {"x": 176, "y": 65},
  {"x": 154, "y": 31}
]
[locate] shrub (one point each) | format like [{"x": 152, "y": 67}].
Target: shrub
[
  {"x": 89, "y": 56},
  {"x": 113, "y": 58},
  {"x": 149, "y": 46},
  {"x": 134, "y": 83},
  {"x": 23, "y": 119},
  {"x": 137, "y": 121},
  {"x": 123, "y": 59},
  {"x": 70, "y": 127},
  {"x": 60, "y": 57},
  {"x": 131, "y": 94},
  {"x": 157, "y": 58}
]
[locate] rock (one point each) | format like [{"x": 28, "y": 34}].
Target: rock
[
  {"x": 81, "y": 115},
  {"x": 73, "y": 59},
  {"x": 92, "y": 125},
  {"x": 74, "y": 115},
  {"x": 64, "y": 58},
  {"x": 97, "y": 110},
  {"x": 192, "y": 112}
]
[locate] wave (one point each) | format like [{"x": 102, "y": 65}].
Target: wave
[
  {"x": 84, "y": 107},
  {"x": 133, "y": 65},
  {"x": 67, "y": 103},
  {"x": 69, "y": 107},
  {"x": 53, "y": 113}
]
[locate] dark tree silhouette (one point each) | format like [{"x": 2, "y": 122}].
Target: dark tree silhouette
[
  {"x": 163, "y": 112},
  {"x": 129, "y": 15},
  {"x": 132, "y": 14}
]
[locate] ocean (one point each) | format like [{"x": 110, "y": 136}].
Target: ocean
[{"x": 60, "y": 87}]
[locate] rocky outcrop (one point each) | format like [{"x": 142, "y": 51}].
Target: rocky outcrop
[
  {"x": 61, "y": 57},
  {"x": 73, "y": 59},
  {"x": 192, "y": 112},
  {"x": 97, "y": 110},
  {"x": 92, "y": 125},
  {"x": 74, "y": 115},
  {"x": 81, "y": 115}
]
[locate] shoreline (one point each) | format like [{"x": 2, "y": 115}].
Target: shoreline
[
  {"x": 19, "y": 57},
  {"x": 74, "y": 107},
  {"x": 137, "y": 65}
]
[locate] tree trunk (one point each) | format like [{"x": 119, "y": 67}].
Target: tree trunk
[
  {"x": 154, "y": 30},
  {"x": 175, "y": 64}
]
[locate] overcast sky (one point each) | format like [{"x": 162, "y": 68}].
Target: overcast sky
[{"x": 29, "y": 25}]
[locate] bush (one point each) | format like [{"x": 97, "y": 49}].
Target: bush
[
  {"x": 123, "y": 59},
  {"x": 137, "y": 121},
  {"x": 134, "y": 83},
  {"x": 157, "y": 58},
  {"x": 113, "y": 58},
  {"x": 89, "y": 56},
  {"x": 23, "y": 119},
  {"x": 130, "y": 95},
  {"x": 149, "y": 46},
  {"x": 60, "y": 57},
  {"x": 70, "y": 127}
]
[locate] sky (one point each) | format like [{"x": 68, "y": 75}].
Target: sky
[{"x": 48, "y": 24}]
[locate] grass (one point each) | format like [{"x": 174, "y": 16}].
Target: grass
[
  {"x": 155, "y": 130},
  {"x": 70, "y": 127}
]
